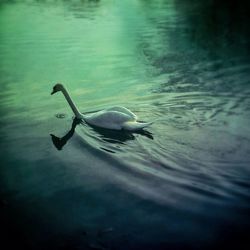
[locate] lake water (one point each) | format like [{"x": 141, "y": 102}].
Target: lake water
[{"x": 184, "y": 183}]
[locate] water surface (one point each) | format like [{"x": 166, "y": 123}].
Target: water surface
[{"x": 181, "y": 184}]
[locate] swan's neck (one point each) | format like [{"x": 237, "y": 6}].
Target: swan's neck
[{"x": 72, "y": 105}]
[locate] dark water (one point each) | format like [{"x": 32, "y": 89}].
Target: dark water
[{"x": 182, "y": 184}]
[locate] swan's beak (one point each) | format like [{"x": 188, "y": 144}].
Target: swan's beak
[{"x": 53, "y": 92}]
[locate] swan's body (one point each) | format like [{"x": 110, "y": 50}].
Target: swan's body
[{"x": 117, "y": 118}]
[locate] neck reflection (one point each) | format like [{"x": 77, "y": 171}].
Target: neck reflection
[{"x": 60, "y": 142}]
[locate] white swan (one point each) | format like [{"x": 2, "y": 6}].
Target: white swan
[{"x": 117, "y": 118}]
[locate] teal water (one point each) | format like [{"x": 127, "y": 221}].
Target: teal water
[{"x": 184, "y": 183}]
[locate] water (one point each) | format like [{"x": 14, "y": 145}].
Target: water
[{"x": 183, "y": 183}]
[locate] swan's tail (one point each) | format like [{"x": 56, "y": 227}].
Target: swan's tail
[{"x": 135, "y": 126}]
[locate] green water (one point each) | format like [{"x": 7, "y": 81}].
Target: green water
[{"x": 181, "y": 184}]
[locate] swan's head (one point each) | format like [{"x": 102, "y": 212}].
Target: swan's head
[{"x": 56, "y": 88}]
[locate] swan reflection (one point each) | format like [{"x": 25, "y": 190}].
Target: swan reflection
[
  {"x": 120, "y": 136},
  {"x": 107, "y": 135},
  {"x": 60, "y": 142}
]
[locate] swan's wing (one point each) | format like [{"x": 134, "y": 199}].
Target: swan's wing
[
  {"x": 123, "y": 110},
  {"x": 108, "y": 119}
]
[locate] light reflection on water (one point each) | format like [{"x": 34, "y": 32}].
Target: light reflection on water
[{"x": 186, "y": 177}]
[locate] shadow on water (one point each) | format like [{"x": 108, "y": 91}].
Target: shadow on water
[
  {"x": 107, "y": 135},
  {"x": 214, "y": 30},
  {"x": 220, "y": 27}
]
